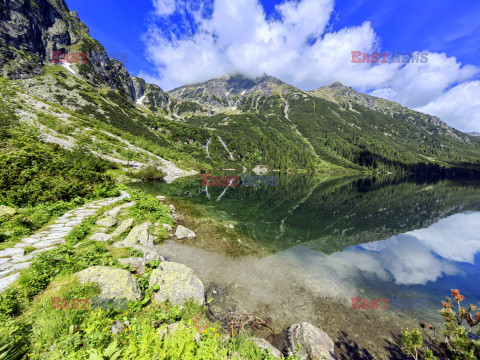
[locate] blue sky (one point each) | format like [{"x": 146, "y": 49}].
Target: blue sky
[{"x": 306, "y": 43}]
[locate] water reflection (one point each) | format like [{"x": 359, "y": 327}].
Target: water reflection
[
  {"x": 330, "y": 214},
  {"x": 330, "y": 239}
]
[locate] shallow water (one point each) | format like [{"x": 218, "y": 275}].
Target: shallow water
[{"x": 323, "y": 241}]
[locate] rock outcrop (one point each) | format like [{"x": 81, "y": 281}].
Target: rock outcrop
[
  {"x": 140, "y": 234},
  {"x": 177, "y": 283},
  {"x": 114, "y": 283}
]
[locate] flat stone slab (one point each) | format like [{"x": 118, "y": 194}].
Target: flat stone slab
[
  {"x": 6, "y": 265},
  {"x": 124, "y": 226},
  {"x": 7, "y": 281},
  {"x": 108, "y": 221},
  {"x": 11, "y": 251},
  {"x": 48, "y": 243},
  {"x": 30, "y": 240},
  {"x": 73, "y": 223},
  {"x": 63, "y": 229},
  {"x": 100, "y": 237},
  {"x": 116, "y": 210}
]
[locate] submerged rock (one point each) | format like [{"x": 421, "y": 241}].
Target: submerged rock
[
  {"x": 114, "y": 283},
  {"x": 183, "y": 232},
  {"x": 177, "y": 283},
  {"x": 314, "y": 343}
]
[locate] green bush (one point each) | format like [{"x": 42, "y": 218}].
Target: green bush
[
  {"x": 456, "y": 344},
  {"x": 41, "y": 173},
  {"x": 150, "y": 172}
]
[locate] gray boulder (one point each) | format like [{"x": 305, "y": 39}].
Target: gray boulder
[
  {"x": 140, "y": 234},
  {"x": 118, "y": 326},
  {"x": 177, "y": 283},
  {"x": 7, "y": 211},
  {"x": 124, "y": 226},
  {"x": 114, "y": 283},
  {"x": 100, "y": 237},
  {"x": 267, "y": 347},
  {"x": 108, "y": 221},
  {"x": 149, "y": 253},
  {"x": 314, "y": 343},
  {"x": 183, "y": 232}
]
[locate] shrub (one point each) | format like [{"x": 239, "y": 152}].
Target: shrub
[
  {"x": 457, "y": 343},
  {"x": 150, "y": 172}
]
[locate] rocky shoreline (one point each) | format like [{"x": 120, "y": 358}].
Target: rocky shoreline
[{"x": 170, "y": 280}]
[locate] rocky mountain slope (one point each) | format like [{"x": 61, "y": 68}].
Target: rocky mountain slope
[{"x": 234, "y": 121}]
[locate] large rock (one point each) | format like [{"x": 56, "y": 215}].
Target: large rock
[
  {"x": 108, "y": 221},
  {"x": 183, "y": 232},
  {"x": 314, "y": 343},
  {"x": 149, "y": 253},
  {"x": 114, "y": 283},
  {"x": 177, "y": 283},
  {"x": 7, "y": 211},
  {"x": 140, "y": 234},
  {"x": 124, "y": 226},
  {"x": 267, "y": 347}
]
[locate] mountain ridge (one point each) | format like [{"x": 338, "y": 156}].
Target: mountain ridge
[{"x": 234, "y": 120}]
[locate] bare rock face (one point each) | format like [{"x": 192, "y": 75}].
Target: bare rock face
[
  {"x": 31, "y": 29},
  {"x": 177, "y": 283},
  {"x": 308, "y": 342}
]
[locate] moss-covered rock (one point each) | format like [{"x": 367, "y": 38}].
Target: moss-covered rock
[
  {"x": 140, "y": 234},
  {"x": 114, "y": 283},
  {"x": 177, "y": 283}
]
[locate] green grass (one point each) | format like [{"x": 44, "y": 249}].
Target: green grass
[{"x": 30, "y": 327}]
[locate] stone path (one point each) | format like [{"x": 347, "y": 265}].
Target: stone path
[{"x": 14, "y": 259}]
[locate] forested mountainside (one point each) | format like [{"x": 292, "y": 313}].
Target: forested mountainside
[{"x": 234, "y": 121}]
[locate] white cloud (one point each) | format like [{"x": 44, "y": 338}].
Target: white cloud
[
  {"x": 164, "y": 7},
  {"x": 297, "y": 47},
  {"x": 455, "y": 238},
  {"x": 423, "y": 255},
  {"x": 460, "y": 106}
]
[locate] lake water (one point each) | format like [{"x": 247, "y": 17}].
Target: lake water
[{"x": 318, "y": 246}]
